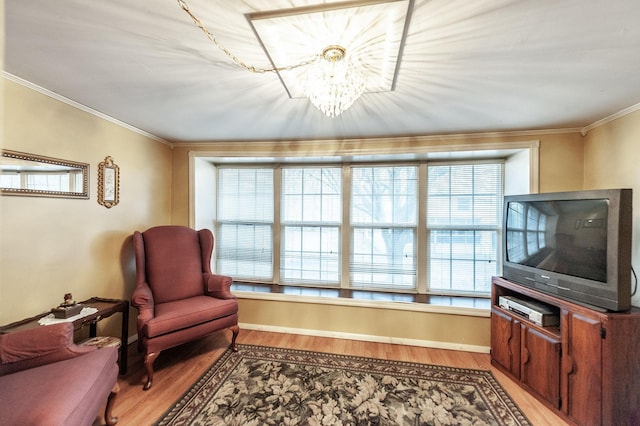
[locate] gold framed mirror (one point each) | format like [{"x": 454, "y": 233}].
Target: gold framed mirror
[
  {"x": 108, "y": 183},
  {"x": 39, "y": 176}
]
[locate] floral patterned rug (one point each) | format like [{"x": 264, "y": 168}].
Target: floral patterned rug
[{"x": 270, "y": 386}]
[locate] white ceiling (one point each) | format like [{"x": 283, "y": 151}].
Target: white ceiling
[{"x": 467, "y": 66}]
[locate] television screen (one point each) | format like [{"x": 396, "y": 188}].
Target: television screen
[{"x": 563, "y": 236}]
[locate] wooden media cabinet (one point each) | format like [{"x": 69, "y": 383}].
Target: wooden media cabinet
[{"x": 587, "y": 368}]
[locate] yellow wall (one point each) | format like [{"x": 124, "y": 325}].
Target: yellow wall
[
  {"x": 52, "y": 246},
  {"x": 561, "y": 162},
  {"x": 612, "y": 160}
]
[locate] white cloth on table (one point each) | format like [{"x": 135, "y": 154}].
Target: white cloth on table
[{"x": 51, "y": 319}]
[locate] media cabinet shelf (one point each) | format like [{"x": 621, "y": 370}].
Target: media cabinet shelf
[
  {"x": 550, "y": 331},
  {"x": 587, "y": 368}
]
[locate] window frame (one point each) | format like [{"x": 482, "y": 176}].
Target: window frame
[
  {"x": 320, "y": 224},
  {"x": 354, "y": 226},
  {"x": 219, "y": 222},
  {"x": 421, "y": 231},
  {"x": 497, "y": 228}
]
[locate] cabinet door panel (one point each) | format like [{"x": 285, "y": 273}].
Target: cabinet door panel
[
  {"x": 505, "y": 341},
  {"x": 582, "y": 368},
  {"x": 541, "y": 364}
]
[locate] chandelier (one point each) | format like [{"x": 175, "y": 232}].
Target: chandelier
[{"x": 332, "y": 83}]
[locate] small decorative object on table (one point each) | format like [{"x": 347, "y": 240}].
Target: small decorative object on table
[
  {"x": 102, "y": 342},
  {"x": 68, "y": 308}
]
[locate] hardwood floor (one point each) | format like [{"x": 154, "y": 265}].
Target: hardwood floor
[{"x": 177, "y": 368}]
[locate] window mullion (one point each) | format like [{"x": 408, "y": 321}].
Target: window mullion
[
  {"x": 422, "y": 239},
  {"x": 345, "y": 230},
  {"x": 277, "y": 222}
]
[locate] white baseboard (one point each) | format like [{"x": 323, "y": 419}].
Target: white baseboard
[
  {"x": 367, "y": 338},
  {"x": 132, "y": 339},
  {"x": 361, "y": 337}
]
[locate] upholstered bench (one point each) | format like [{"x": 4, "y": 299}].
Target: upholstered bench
[{"x": 45, "y": 379}]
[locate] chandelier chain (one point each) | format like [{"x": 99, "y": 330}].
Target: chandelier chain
[{"x": 183, "y": 4}]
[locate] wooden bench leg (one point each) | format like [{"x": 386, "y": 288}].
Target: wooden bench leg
[{"x": 109, "y": 418}]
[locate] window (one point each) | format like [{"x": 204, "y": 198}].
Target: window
[
  {"x": 404, "y": 228},
  {"x": 384, "y": 204},
  {"x": 244, "y": 237},
  {"x": 464, "y": 203},
  {"x": 311, "y": 216}
]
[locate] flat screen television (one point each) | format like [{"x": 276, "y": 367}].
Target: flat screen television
[{"x": 573, "y": 245}]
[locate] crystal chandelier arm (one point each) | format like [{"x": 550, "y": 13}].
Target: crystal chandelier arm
[{"x": 183, "y": 4}]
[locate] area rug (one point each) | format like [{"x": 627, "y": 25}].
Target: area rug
[{"x": 271, "y": 386}]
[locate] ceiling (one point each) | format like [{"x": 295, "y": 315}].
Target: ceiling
[{"x": 463, "y": 66}]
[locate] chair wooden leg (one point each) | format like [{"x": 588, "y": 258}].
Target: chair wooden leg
[
  {"x": 148, "y": 366},
  {"x": 235, "y": 329},
  {"x": 109, "y": 418}
]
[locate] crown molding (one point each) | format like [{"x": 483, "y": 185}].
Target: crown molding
[
  {"x": 610, "y": 118},
  {"x": 82, "y": 107},
  {"x": 446, "y": 137},
  {"x": 349, "y": 147}
]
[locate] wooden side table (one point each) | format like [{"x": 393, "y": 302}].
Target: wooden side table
[{"x": 105, "y": 307}]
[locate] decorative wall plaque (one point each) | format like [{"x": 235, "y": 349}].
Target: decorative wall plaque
[{"x": 108, "y": 183}]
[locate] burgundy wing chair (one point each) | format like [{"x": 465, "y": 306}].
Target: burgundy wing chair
[{"x": 177, "y": 297}]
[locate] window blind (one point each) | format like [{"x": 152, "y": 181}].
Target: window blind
[
  {"x": 384, "y": 202},
  {"x": 244, "y": 243},
  {"x": 311, "y": 216},
  {"x": 464, "y": 205}
]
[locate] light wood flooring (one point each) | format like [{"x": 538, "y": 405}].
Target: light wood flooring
[{"x": 177, "y": 368}]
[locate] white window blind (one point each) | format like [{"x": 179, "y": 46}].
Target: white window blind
[
  {"x": 244, "y": 243},
  {"x": 464, "y": 203},
  {"x": 460, "y": 243},
  {"x": 384, "y": 204},
  {"x": 311, "y": 216}
]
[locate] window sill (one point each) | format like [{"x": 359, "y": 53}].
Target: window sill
[{"x": 454, "y": 305}]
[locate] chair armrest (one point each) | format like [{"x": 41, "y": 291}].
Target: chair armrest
[
  {"x": 37, "y": 346},
  {"x": 218, "y": 286},
  {"x": 142, "y": 297},
  {"x": 142, "y": 300}
]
